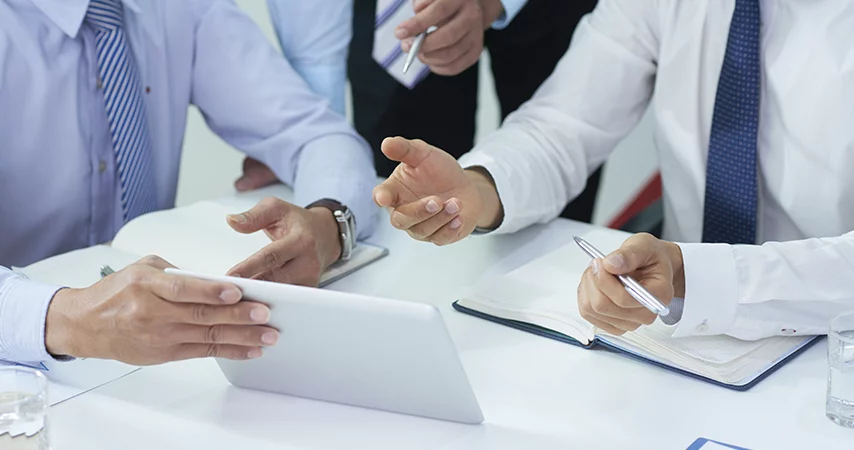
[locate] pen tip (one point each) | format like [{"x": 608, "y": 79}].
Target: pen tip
[{"x": 577, "y": 239}]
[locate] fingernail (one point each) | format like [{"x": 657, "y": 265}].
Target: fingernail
[
  {"x": 254, "y": 353},
  {"x": 230, "y": 295},
  {"x": 270, "y": 338},
  {"x": 239, "y": 218},
  {"x": 595, "y": 267},
  {"x": 260, "y": 315},
  {"x": 456, "y": 223},
  {"x": 401, "y": 33},
  {"x": 616, "y": 260},
  {"x": 452, "y": 207},
  {"x": 432, "y": 206}
]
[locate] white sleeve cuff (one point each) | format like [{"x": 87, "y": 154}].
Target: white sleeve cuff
[
  {"x": 502, "y": 185},
  {"x": 711, "y": 290},
  {"x": 23, "y": 312}
]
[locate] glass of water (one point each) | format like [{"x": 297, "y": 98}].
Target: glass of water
[
  {"x": 840, "y": 380},
  {"x": 23, "y": 409}
]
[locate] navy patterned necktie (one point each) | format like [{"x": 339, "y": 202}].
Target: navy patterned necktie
[
  {"x": 125, "y": 107},
  {"x": 731, "y": 175}
]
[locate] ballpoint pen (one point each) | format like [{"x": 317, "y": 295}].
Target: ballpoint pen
[
  {"x": 106, "y": 271},
  {"x": 416, "y": 48},
  {"x": 634, "y": 288}
]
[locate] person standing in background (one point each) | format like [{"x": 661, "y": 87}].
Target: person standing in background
[{"x": 368, "y": 39}]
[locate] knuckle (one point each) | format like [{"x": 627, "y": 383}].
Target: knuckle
[
  {"x": 212, "y": 351},
  {"x": 271, "y": 259},
  {"x": 201, "y": 313},
  {"x": 214, "y": 334},
  {"x": 176, "y": 288},
  {"x": 151, "y": 260},
  {"x": 600, "y": 304}
]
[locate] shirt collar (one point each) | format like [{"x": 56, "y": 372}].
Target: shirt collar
[{"x": 68, "y": 15}]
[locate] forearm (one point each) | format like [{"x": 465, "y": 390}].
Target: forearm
[
  {"x": 23, "y": 313},
  {"x": 779, "y": 288}
]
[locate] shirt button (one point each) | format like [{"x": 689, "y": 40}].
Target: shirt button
[
  {"x": 100, "y": 84},
  {"x": 102, "y": 166}
]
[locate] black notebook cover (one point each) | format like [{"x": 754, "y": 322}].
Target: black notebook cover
[{"x": 545, "y": 332}]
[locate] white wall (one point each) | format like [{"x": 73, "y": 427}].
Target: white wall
[{"x": 210, "y": 166}]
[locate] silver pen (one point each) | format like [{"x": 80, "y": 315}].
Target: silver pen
[
  {"x": 416, "y": 48},
  {"x": 634, "y": 288},
  {"x": 106, "y": 271}
]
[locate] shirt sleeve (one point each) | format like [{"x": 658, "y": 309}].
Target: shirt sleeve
[
  {"x": 511, "y": 9},
  {"x": 778, "y": 288},
  {"x": 315, "y": 37},
  {"x": 23, "y": 311},
  {"x": 254, "y": 99},
  {"x": 542, "y": 155}
]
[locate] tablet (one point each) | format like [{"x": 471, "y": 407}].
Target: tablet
[{"x": 363, "y": 351}]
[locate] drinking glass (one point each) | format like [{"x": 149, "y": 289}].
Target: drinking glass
[
  {"x": 840, "y": 380},
  {"x": 23, "y": 409}
]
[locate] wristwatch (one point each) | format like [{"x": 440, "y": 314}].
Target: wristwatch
[{"x": 346, "y": 224}]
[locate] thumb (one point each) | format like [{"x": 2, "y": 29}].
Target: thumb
[
  {"x": 409, "y": 152},
  {"x": 634, "y": 254},
  {"x": 263, "y": 215}
]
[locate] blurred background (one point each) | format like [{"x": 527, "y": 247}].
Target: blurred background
[{"x": 210, "y": 166}]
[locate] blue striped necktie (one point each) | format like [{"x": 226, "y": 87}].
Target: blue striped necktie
[
  {"x": 386, "y": 50},
  {"x": 731, "y": 174},
  {"x": 125, "y": 108}
]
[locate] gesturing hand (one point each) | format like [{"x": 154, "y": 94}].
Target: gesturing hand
[
  {"x": 429, "y": 195},
  {"x": 655, "y": 264},
  {"x": 305, "y": 242},
  {"x": 458, "y": 42},
  {"x": 143, "y": 316}
]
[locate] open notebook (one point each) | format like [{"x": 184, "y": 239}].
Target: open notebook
[
  {"x": 195, "y": 237},
  {"x": 540, "y": 298}
]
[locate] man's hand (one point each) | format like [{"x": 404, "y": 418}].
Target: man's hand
[
  {"x": 655, "y": 264},
  {"x": 255, "y": 176},
  {"x": 431, "y": 197},
  {"x": 305, "y": 242},
  {"x": 143, "y": 316},
  {"x": 458, "y": 42}
]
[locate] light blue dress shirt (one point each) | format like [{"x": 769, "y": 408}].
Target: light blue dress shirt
[
  {"x": 58, "y": 180},
  {"x": 318, "y": 42}
]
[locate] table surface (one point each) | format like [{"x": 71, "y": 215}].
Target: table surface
[{"x": 535, "y": 393}]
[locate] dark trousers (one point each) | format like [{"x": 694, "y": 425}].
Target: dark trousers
[{"x": 442, "y": 110}]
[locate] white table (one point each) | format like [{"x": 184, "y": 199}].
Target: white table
[{"x": 535, "y": 393}]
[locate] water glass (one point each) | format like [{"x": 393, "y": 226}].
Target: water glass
[
  {"x": 840, "y": 380},
  {"x": 23, "y": 409}
]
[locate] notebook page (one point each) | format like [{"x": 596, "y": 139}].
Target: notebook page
[
  {"x": 80, "y": 268},
  {"x": 198, "y": 238}
]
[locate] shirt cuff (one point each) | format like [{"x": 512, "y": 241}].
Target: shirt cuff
[
  {"x": 511, "y": 9},
  {"x": 339, "y": 167},
  {"x": 502, "y": 185},
  {"x": 711, "y": 290},
  {"x": 23, "y": 314}
]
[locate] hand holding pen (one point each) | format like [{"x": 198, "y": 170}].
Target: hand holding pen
[
  {"x": 457, "y": 41},
  {"x": 633, "y": 285}
]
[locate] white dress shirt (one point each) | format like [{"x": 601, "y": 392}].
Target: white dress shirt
[
  {"x": 318, "y": 42},
  {"x": 58, "y": 180},
  {"x": 667, "y": 54}
]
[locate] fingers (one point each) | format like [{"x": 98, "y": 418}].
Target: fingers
[
  {"x": 435, "y": 13},
  {"x": 273, "y": 256},
  {"x": 632, "y": 255},
  {"x": 450, "y": 233},
  {"x": 466, "y": 60},
  {"x": 452, "y": 33},
  {"x": 385, "y": 195},
  {"x": 155, "y": 262},
  {"x": 247, "y": 336},
  {"x": 405, "y": 216},
  {"x": 409, "y": 152},
  {"x": 178, "y": 288},
  {"x": 266, "y": 213},
  {"x": 243, "y": 313},
  {"x": 234, "y": 352},
  {"x": 598, "y": 309},
  {"x": 614, "y": 301},
  {"x": 449, "y": 216}
]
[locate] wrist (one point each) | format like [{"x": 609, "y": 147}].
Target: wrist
[
  {"x": 60, "y": 332},
  {"x": 329, "y": 238},
  {"x": 491, "y": 211},
  {"x": 674, "y": 253}
]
